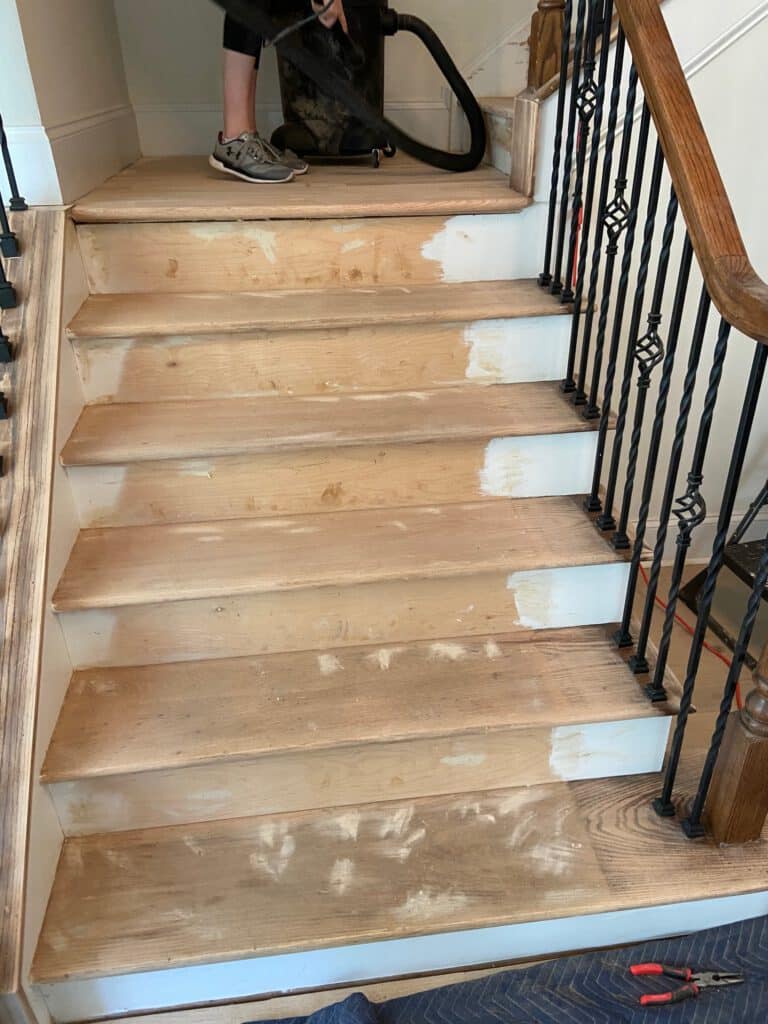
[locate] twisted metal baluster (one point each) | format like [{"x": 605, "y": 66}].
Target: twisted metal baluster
[
  {"x": 578, "y": 43},
  {"x": 638, "y": 662},
  {"x": 592, "y": 502},
  {"x": 692, "y": 824},
  {"x": 545, "y": 278},
  {"x": 7, "y": 291},
  {"x": 579, "y": 396},
  {"x": 690, "y": 511},
  {"x": 623, "y": 637},
  {"x": 9, "y": 247},
  {"x": 587, "y": 100},
  {"x": 663, "y": 804},
  {"x": 606, "y": 521},
  {"x": 649, "y": 352},
  {"x": 17, "y": 203}
]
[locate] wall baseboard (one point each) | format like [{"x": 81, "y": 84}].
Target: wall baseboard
[
  {"x": 190, "y": 129},
  {"x": 109, "y": 140},
  {"x": 34, "y": 165}
]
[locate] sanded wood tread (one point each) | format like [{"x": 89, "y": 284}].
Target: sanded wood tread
[
  {"x": 227, "y": 890},
  {"x": 121, "y": 566},
  {"x": 156, "y": 313},
  {"x": 110, "y": 434},
  {"x": 187, "y": 189},
  {"x": 117, "y": 720}
]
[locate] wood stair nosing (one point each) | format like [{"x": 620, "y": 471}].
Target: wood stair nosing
[
  {"x": 186, "y": 895},
  {"x": 117, "y": 721},
  {"x": 124, "y": 566},
  {"x": 112, "y": 434},
  {"x": 155, "y": 314}
]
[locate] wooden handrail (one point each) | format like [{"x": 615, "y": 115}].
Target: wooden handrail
[{"x": 737, "y": 291}]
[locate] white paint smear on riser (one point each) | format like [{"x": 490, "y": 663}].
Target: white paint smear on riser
[
  {"x": 488, "y": 247},
  {"x": 539, "y": 466},
  {"x": 518, "y": 351},
  {"x": 581, "y": 595}
]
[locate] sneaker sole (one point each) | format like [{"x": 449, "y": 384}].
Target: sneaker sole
[{"x": 219, "y": 166}]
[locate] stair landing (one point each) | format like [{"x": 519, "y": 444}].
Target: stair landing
[{"x": 187, "y": 189}]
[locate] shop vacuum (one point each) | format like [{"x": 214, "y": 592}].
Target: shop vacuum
[{"x": 332, "y": 84}]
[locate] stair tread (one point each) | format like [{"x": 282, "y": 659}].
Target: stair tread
[
  {"x": 119, "y": 566},
  {"x": 109, "y": 434},
  {"x": 227, "y": 890},
  {"x": 117, "y": 720},
  {"x": 163, "y": 313},
  {"x": 185, "y": 188}
]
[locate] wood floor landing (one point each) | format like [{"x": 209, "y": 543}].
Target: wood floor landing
[
  {"x": 138, "y": 901},
  {"x": 187, "y": 189}
]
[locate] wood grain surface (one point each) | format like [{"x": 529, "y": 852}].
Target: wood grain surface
[
  {"x": 187, "y": 189},
  {"x": 28, "y": 448}
]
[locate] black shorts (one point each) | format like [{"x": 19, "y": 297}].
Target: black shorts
[{"x": 241, "y": 39}]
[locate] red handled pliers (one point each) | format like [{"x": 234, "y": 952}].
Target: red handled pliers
[{"x": 694, "y": 982}]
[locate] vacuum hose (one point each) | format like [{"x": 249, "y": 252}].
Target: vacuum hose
[
  {"x": 249, "y": 14},
  {"x": 393, "y": 22}
]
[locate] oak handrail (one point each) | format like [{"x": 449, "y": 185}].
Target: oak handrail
[{"x": 738, "y": 292}]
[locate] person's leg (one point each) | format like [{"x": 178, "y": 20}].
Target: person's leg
[
  {"x": 239, "y": 94},
  {"x": 239, "y": 150},
  {"x": 242, "y": 53}
]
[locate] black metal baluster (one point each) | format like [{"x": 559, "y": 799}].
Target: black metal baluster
[
  {"x": 692, "y": 824},
  {"x": 638, "y": 662},
  {"x": 579, "y": 396},
  {"x": 606, "y": 521},
  {"x": 6, "y": 350},
  {"x": 586, "y": 105},
  {"x": 690, "y": 511},
  {"x": 545, "y": 278},
  {"x": 624, "y": 637},
  {"x": 17, "y": 202},
  {"x": 578, "y": 43},
  {"x": 618, "y": 222},
  {"x": 649, "y": 352},
  {"x": 9, "y": 246},
  {"x": 663, "y": 804},
  {"x": 7, "y": 291}
]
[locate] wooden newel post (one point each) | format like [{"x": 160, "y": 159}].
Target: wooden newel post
[
  {"x": 546, "y": 42},
  {"x": 737, "y": 806}
]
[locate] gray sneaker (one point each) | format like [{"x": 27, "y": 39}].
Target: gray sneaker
[
  {"x": 248, "y": 158},
  {"x": 286, "y": 157}
]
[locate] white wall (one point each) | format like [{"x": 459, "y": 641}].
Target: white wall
[
  {"x": 173, "y": 68},
  {"x": 77, "y": 114},
  {"x": 30, "y": 147}
]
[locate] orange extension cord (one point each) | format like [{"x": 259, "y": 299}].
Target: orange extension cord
[{"x": 689, "y": 629}]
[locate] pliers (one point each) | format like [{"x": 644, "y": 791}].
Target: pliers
[{"x": 694, "y": 982}]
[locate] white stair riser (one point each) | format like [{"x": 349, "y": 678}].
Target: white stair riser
[
  {"x": 328, "y": 480},
  {"x": 316, "y": 969},
  {"x": 372, "y": 358},
  {"x": 362, "y": 774},
  {"x": 229, "y": 257},
  {"x": 326, "y": 617}
]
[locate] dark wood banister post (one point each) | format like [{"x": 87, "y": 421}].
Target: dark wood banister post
[
  {"x": 546, "y": 42},
  {"x": 737, "y": 806}
]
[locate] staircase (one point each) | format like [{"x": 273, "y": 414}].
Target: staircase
[{"x": 337, "y": 614}]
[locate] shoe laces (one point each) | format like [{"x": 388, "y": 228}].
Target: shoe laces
[{"x": 261, "y": 148}]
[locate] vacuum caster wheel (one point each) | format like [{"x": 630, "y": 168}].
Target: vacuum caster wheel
[
  {"x": 389, "y": 151},
  {"x": 376, "y": 158}
]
